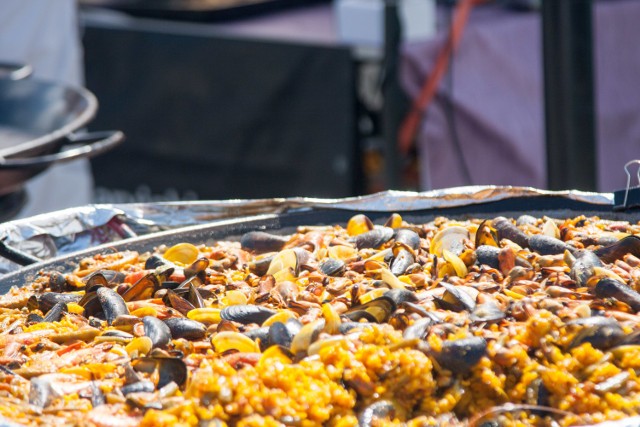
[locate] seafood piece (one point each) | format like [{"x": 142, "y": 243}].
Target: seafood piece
[
  {"x": 419, "y": 329},
  {"x": 169, "y": 369},
  {"x": 113, "y": 305},
  {"x": 583, "y": 266},
  {"x": 225, "y": 341},
  {"x": 400, "y": 296},
  {"x": 374, "y": 238},
  {"x": 281, "y": 335},
  {"x": 56, "y": 312},
  {"x": 378, "y": 310},
  {"x": 610, "y": 288},
  {"x": 451, "y": 239},
  {"x": 47, "y": 300},
  {"x": 333, "y": 267},
  {"x": 143, "y": 288},
  {"x": 488, "y": 255},
  {"x": 455, "y": 298},
  {"x": 546, "y": 245},
  {"x": 197, "y": 268},
  {"x": 182, "y": 254},
  {"x": 616, "y": 251},
  {"x": 172, "y": 299},
  {"x": 308, "y": 334},
  {"x": 260, "y": 242},
  {"x": 157, "y": 331},
  {"x": 506, "y": 230},
  {"x": 156, "y": 261},
  {"x": 601, "y": 332},
  {"x": 359, "y": 224},
  {"x": 57, "y": 282},
  {"x": 246, "y": 314},
  {"x": 460, "y": 355},
  {"x": 487, "y": 312},
  {"x": 185, "y": 328}
]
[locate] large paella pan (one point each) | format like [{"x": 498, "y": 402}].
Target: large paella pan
[{"x": 410, "y": 319}]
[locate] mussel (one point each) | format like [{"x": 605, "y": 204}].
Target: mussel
[
  {"x": 246, "y": 314},
  {"x": 332, "y": 267},
  {"x": 157, "y": 330},
  {"x": 547, "y": 245},
  {"x": 185, "y": 328},
  {"x": 583, "y": 266},
  {"x": 169, "y": 369},
  {"x": 460, "y": 355},
  {"x": 507, "y": 230},
  {"x": 378, "y": 310},
  {"x": 373, "y": 238},
  {"x": 261, "y": 242},
  {"x": 112, "y": 304},
  {"x": 611, "y": 288},
  {"x": 614, "y": 252},
  {"x": 47, "y": 300},
  {"x": 601, "y": 332}
]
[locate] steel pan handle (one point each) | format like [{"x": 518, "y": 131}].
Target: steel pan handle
[
  {"x": 95, "y": 143},
  {"x": 15, "y": 71}
]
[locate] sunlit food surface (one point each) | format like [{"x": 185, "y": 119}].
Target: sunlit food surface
[{"x": 527, "y": 321}]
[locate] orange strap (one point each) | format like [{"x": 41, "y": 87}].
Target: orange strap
[{"x": 410, "y": 124}]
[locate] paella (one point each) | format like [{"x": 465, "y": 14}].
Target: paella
[{"x": 499, "y": 322}]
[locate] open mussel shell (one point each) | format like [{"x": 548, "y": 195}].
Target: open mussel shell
[
  {"x": 181, "y": 254},
  {"x": 185, "y": 328},
  {"x": 246, "y": 314},
  {"x": 617, "y": 250},
  {"x": 418, "y": 329},
  {"x": 155, "y": 262},
  {"x": 487, "y": 313},
  {"x": 399, "y": 296},
  {"x": 583, "y": 267},
  {"x": 260, "y": 242},
  {"x": 288, "y": 259},
  {"x": 197, "y": 268},
  {"x": 169, "y": 369},
  {"x": 332, "y": 267},
  {"x": 407, "y": 237},
  {"x": 378, "y": 310},
  {"x": 451, "y": 238},
  {"x": 455, "y": 299},
  {"x": 108, "y": 278},
  {"x": 56, "y": 313},
  {"x": 143, "y": 288},
  {"x": 47, "y": 300},
  {"x": 172, "y": 299}
]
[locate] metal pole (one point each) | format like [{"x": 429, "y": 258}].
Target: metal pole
[
  {"x": 569, "y": 94},
  {"x": 394, "y": 100}
]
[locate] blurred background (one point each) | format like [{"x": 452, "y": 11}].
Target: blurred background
[{"x": 223, "y": 99}]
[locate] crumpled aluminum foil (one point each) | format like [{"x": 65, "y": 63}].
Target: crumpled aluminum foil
[{"x": 71, "y": 230}]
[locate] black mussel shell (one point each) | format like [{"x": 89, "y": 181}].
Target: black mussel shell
[
  {"x": 185, "y": 328},
  {"x": 246, "y": 314},
  {"x": 261, "y": 242}
]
